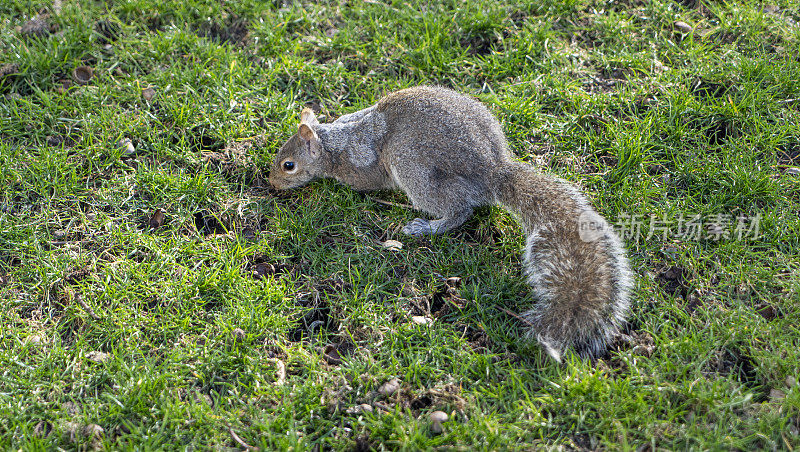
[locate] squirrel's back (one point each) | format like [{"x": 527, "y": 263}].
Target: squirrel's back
[{"x": 441, "y": 113}]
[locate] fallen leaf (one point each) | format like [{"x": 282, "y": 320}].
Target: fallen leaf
[
  {"x": 331, "y": 355},
  {"x": 82, "y": 74},
  {"x": 421, "y": 320},
  {"x": 157, "y": 219},
  {"x": 392, "y": 245},
  {"x": 683, "y": 27}
]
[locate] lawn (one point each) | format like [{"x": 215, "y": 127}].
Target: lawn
[{"x": 156, "y": 293}]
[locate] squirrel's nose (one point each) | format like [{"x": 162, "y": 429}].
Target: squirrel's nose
[{"x": 269, "y": 179}]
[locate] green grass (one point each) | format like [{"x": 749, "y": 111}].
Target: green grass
[{"x": 647, "y": 120}]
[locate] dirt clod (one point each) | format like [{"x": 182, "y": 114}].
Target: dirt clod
[
  {"x": 42, "y": 429},
  {"x": 776, "y": 395},
  {"x": 239, "y": 334},
  {"x": 8, "y": 69},
  {"x": 93, "y": 431},
  {"x": 263, "y": 269},
  {"x": 248, "y": 234},
  {"x": 97, "y": 356},
  {"x": 673, "y": 280},
  {"x": 107, "y": 31},
  {"x": 36, "y": 27},
  {"x": 148, "y": 94},
  {"x": 768, "y": 311}
]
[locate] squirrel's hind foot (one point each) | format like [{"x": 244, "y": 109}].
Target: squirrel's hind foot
[{"x": 418, "y": 227}]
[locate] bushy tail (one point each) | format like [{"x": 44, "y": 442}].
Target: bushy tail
[{"x": 574, "y": 262}]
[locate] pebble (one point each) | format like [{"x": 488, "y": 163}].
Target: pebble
[
  {"x": 389, "y": 388},
  {"x": 683, "y": 27},
  {"x": 127, "y": 145}
]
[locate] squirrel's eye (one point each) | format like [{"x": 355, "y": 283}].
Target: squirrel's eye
[{"x": 288, "y": 166}]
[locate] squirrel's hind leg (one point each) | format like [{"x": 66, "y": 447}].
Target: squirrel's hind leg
[{"x": 420, "y": 226}]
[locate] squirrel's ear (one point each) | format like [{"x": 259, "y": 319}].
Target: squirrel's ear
[
  {"x": 307, "y": 133},
  {"x": 307, "y": 116}
]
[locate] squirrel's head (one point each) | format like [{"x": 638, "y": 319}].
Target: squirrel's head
[{"x": 299, "y": 160}]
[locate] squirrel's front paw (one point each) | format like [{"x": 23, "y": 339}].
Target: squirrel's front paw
[{"x": 417, "y": 227}]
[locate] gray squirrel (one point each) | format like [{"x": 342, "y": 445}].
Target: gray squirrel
[{"x": 449, "y": 155}]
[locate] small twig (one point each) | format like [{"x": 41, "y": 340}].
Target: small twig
[
  {"x": 391, "y": 204},
  {"x": 67, "y": 242},
  {"x": 86, "y": 307},
  {"x": 240, "y": 441},
  {"x": 514, "y": 314},
  {"x": 381, "y": 406}
]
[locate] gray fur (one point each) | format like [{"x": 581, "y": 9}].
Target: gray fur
[
  {"x": 356, "y": 134},
  {"x": 449, "y": 155}
]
